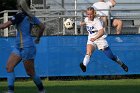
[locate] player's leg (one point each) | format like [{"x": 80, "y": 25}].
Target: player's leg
[
  {"x": 12, "y": 62},
  {"x": 117, "y": 23},
  {"x": 28, "y": 58},
  {"x": 89, "y": 50},
  {"x": 102, "y": 44},
  {"x": 110, "y": 55},
  {"x": 29, "y": 66}
]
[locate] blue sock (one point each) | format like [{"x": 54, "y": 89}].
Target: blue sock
[
  {"x": 38, "y": 82},
  {"x": 11, "y": 80},
  {"x": 109, "y": 54}
]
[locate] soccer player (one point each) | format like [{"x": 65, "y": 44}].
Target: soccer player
[
  {"x": 96, "y": 39},
  {"x": 25, "y": 49},
  {"x": 102, "y": 8}
]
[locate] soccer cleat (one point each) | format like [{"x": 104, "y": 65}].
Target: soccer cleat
[
  {"x": 83, "y": 67},
  {"x": 125, "y": 68},
  {"x": 42, "y": 91}
]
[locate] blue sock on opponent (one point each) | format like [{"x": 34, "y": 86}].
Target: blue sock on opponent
[
  {"x": 109, "y": 54},
  {"x": 38, "y": 82},
  {"x": 11, "y": 80}
]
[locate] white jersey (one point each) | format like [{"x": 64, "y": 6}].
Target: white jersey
[
  {"x": 93, "y": 27},
  {"x": 102, "y": 7}
]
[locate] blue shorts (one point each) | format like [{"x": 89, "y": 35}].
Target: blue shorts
[{"x": 25, "y": 53}]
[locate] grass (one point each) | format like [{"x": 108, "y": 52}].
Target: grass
[{"x": 78, "y": 86}]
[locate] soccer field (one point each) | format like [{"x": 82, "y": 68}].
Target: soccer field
[{"x": 78, "y": 86}]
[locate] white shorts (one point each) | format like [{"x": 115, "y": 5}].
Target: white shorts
[{"x": 100, "y": 43}]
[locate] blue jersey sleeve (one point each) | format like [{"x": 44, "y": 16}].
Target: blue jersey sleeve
[
  {"x": 17, "y": 18},
  {"x": 35, "y": 21}
]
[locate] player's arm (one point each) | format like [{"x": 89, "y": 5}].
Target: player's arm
[
  {"x": 100, "y": 29},
  {"x": 82, "y": 23},
  {"x": 113, "y": 2},
  {"x": 42, "y": 28},
  {"x": 16, "y": 19},
  {"x": 99, "y": 34},
  {"x": 5, "y": 25}
]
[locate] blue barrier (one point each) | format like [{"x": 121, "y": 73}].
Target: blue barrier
[{"x": 61, "y": 55}]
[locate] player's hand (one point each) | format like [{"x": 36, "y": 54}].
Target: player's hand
[
  {"x": 92, "y": 39},
  {"x": 82, "y": 23},
  {"x": 37, "y": 40}
]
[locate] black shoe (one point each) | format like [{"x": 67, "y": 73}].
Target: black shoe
[
  {"x": 125, "y": 68},
  {"x": 83, "y": 67}
]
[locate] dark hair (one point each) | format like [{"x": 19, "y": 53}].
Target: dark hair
[{"x": 90, "y": 8}]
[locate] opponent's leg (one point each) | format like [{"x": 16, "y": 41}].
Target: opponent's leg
[
  {"x": 86, "y": 60},
  {"x": 12, "y": 62},
  {"x": 110, "y": 55},
  {"x": 29, "y": 66}
]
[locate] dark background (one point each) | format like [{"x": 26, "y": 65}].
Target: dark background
[{"x": 7, "y": 5}]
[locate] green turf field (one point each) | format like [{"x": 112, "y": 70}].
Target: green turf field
[{"x": 78, "y": 86}]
